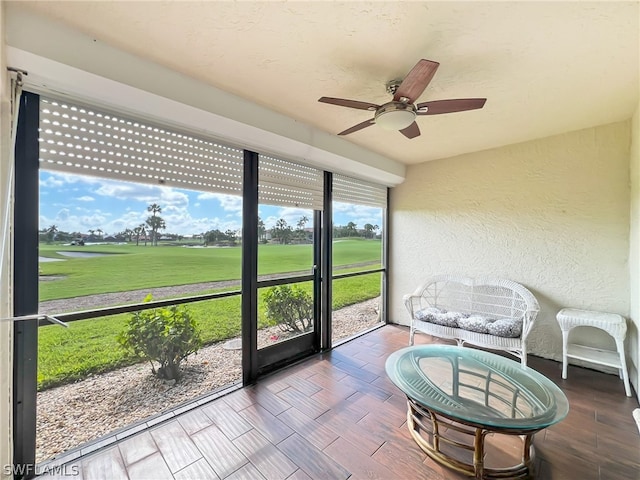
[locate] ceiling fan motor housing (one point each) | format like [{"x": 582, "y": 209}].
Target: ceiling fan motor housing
[{"x": 395, "y": 115}]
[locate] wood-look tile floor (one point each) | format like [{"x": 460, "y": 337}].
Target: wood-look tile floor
[{"x": 337, "y": 416}]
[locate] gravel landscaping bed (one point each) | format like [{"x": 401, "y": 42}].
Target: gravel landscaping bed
[{"x": 73, "y": 414}]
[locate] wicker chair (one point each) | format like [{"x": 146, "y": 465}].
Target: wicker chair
[{"x": 464, "y": 300}]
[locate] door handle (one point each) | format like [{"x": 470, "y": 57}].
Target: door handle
[{"x": 48, "y": 318}]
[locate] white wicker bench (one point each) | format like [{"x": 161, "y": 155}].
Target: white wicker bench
[{"x": 499, "y": 312}]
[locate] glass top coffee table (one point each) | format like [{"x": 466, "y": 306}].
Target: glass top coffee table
[{"x": 459, "y": 396}]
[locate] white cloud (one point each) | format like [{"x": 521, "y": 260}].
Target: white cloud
[
  {"x": 358, "y": 214},
  {"x": 124, "y": 205},
  {"x": 132, "y": 219},
  {"x": 59, "y": 179},
  {"x": 178, "y": 221},
  {"x": 173, "y": 198},
  {"x": 68, "y": 222},
  {"x": 172, "y": 209},
  {"x": 291, "y": 215},
  {"x": 62, "y": 215},
  {"x": 207, "y": 196},
  {"x": 138, "y": 192},
  {"x": 51, "y": 182},
  {"x": 270, "y": 221},
  {"x": 184, "y": 223},
  {"x": 230, "y": 203},
  {"x": 342, "y": 207}
]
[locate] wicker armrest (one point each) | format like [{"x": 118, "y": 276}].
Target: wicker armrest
[{"x": 408, "y": 300}]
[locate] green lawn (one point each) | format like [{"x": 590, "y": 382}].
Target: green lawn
[
  {"x": 90, "y": 346},
  {"x": 131, "y": 267}
]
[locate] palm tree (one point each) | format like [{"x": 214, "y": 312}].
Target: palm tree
[
  {"x": 140, "y": 230},
  {"x": 301, "y": 223},
  {"x": 51, "y": 233},
  {"x": 230, "y": 236},
  {"x": 154, "y": 208},
  {"x": 368, "y": 229},
  {"x": 282, "y": 231},
  {"x": 155, "y": 223},
  {"x": 351, "y": 228},
  {"x": 99, "y": 232}
]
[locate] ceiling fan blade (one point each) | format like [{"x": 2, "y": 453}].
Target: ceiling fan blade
[
  {"x": 449, "y": 106},
  {"x": 412, "y": 131},
  {"x": 359, "y": 126},
  {"x": 343, "y": 102},
  {"x": 416, "y": 81}
]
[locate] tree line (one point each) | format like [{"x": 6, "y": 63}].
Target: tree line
[{"x": 149, "y": 231}]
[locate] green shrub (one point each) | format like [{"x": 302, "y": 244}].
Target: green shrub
[
  {"x": 164, "y": 335},
  {"x": 289, "y": 307}
]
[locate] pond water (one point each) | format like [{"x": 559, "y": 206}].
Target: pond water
[
  {"x": 47, "y": 259},
  {"x": 82, "y": 254},
  {"x": 72, "y": 255}
]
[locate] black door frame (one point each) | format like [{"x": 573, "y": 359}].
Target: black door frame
[
  {"x": 257, "y": 362},
  {"x": 25, "y": 291}
]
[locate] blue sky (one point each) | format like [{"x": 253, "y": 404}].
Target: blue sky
[{"x": 77, "y": 203}]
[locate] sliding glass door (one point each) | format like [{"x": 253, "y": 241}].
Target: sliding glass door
[{"x": 288, "y": 245}]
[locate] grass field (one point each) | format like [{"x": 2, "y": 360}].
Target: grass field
[
  {"x": 90, "y": 346},
  {"x": 130, "y": 267}
]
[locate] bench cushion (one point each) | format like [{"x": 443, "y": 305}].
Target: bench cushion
[
  {"x": 428, "y": 314},
  {"x": 440, "y": 316},
  {"x": 476, "y": 323},
  {"x": 505, "y": 327}
]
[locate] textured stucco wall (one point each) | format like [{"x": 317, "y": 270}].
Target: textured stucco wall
[
  {"x": 552, "y": 214},
  {"x": 633, "y": 338},
  {"x": 5, "y": 297}
]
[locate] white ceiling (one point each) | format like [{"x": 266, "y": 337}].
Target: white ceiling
[{"x": 544, "y": 67}]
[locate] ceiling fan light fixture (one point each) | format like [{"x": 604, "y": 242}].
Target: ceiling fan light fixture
[{"x": 395, "y": 116}]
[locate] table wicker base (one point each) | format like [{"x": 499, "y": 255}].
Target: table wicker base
[{"x": 434, "y": 432}]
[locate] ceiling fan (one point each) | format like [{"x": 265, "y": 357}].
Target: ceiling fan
[{"x": 400, "y": 113}]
